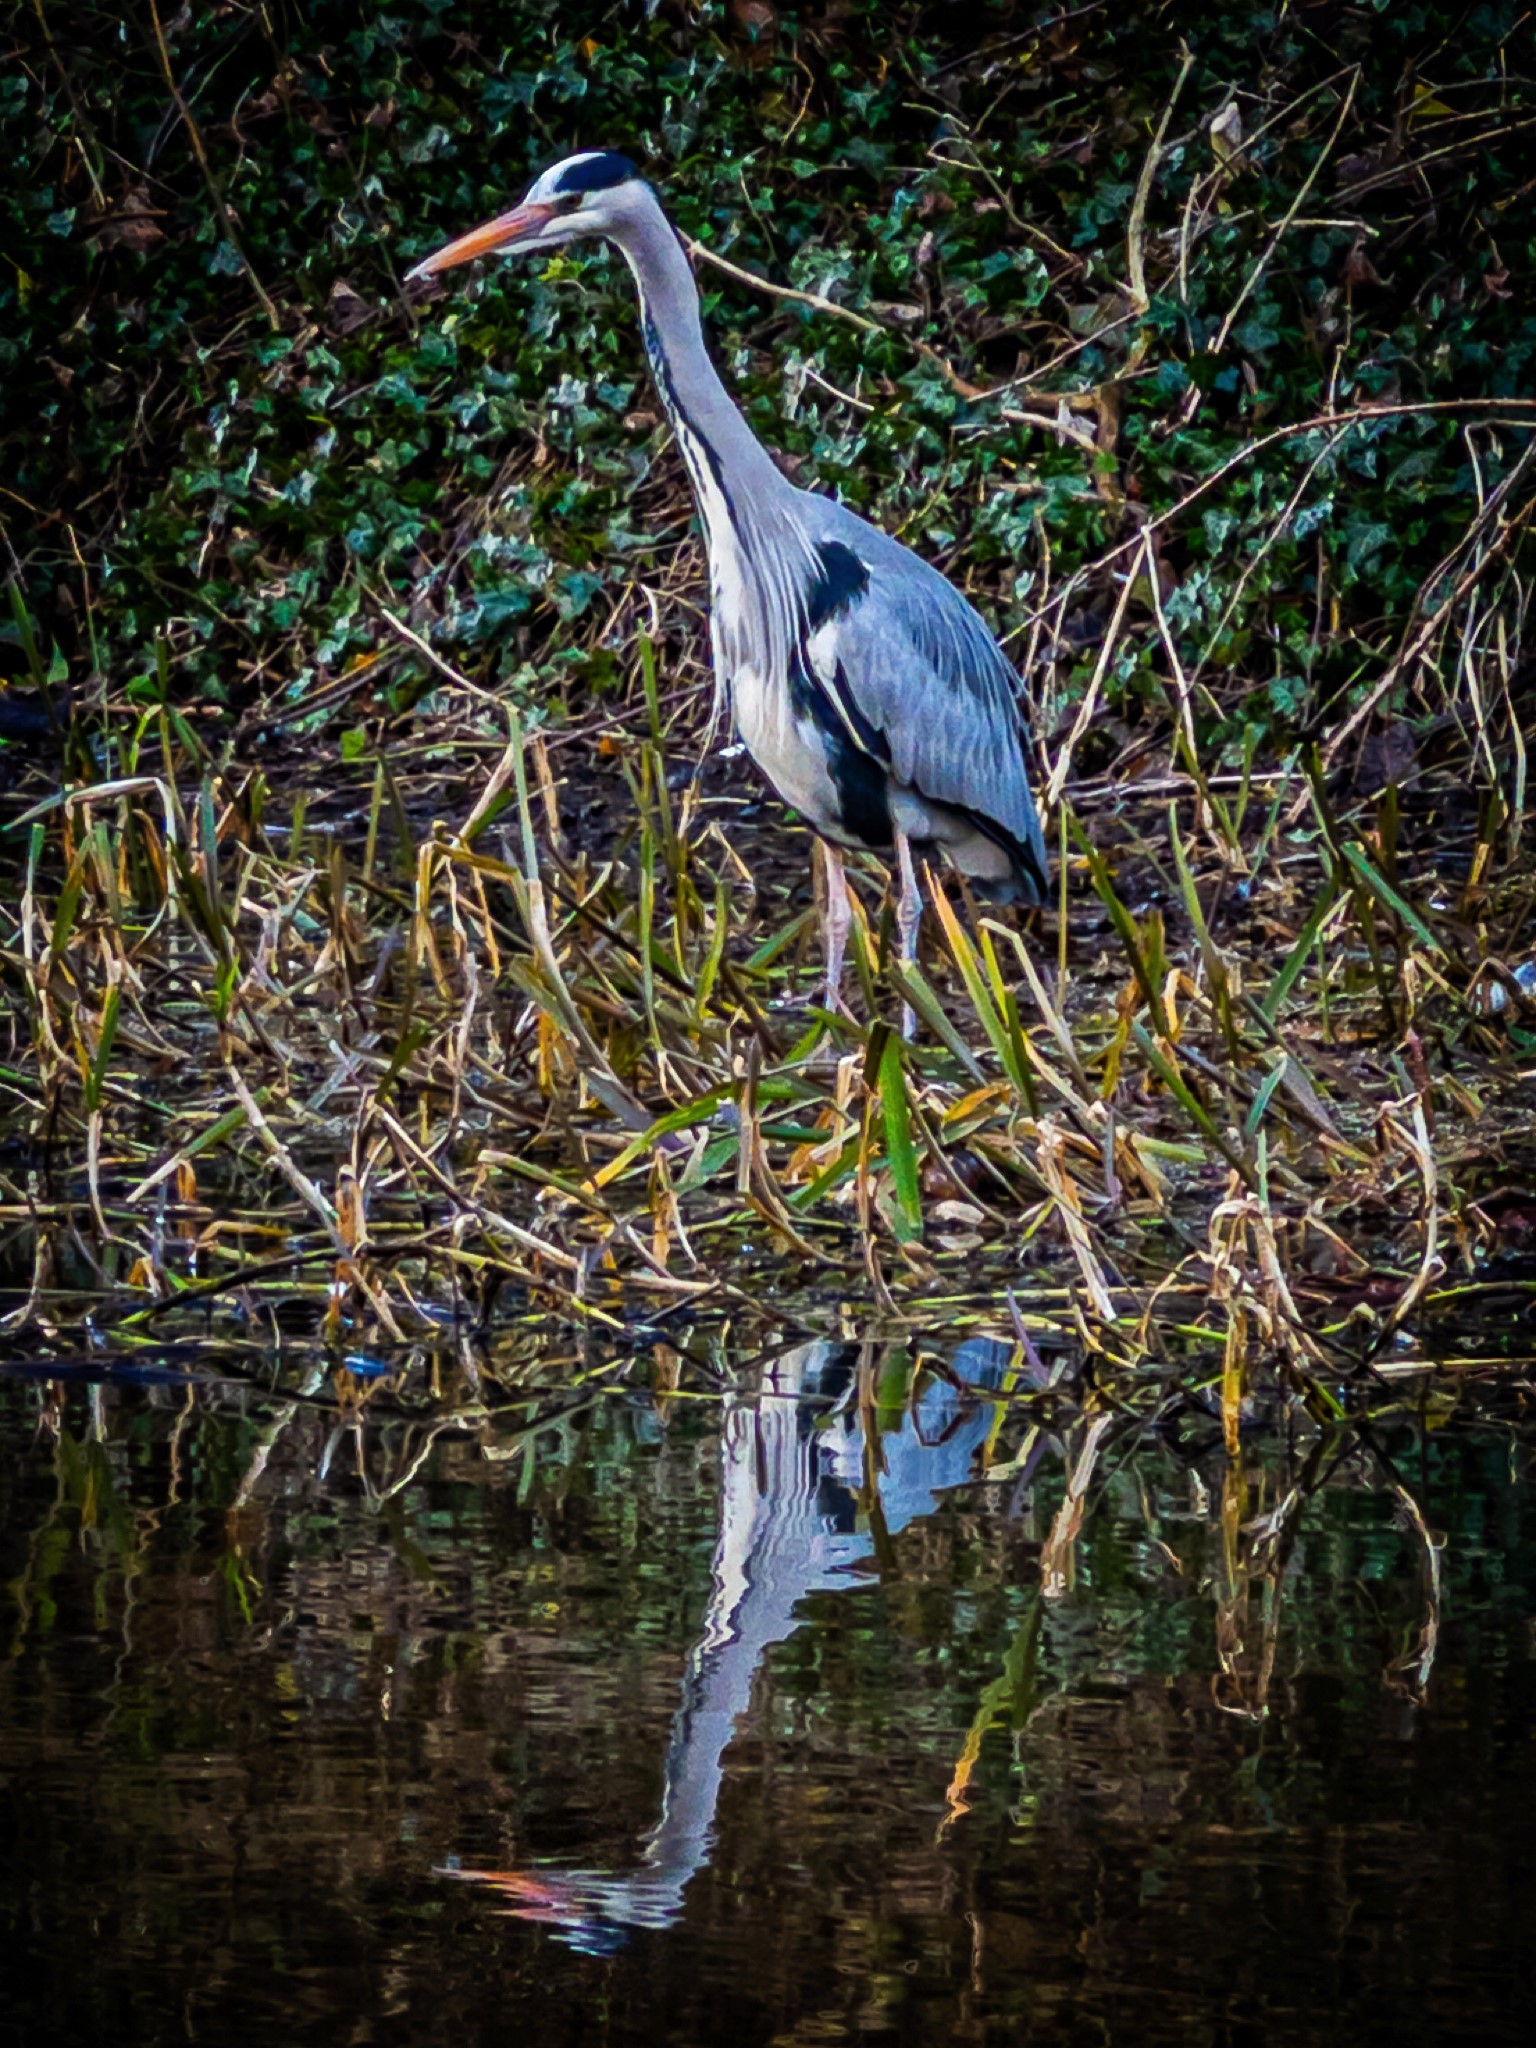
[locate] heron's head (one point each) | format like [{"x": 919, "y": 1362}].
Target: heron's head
[{"x": 596, "y": 193}]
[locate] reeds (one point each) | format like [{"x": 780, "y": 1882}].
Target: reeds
[{"x": 409, "y": 1067}]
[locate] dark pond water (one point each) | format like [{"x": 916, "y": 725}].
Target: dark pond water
[{"x": 752, "y": 1720}]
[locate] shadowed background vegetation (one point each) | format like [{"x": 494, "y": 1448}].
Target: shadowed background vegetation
[{"x": 228, "y": 434}]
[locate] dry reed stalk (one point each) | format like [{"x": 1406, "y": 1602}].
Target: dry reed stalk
[{"x": 1058, "y": 1555}]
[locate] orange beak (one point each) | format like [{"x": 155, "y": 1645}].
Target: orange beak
[{"x": 499, "y": 233}]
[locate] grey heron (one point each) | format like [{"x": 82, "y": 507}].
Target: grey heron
[{"x": 869, "y": 692}]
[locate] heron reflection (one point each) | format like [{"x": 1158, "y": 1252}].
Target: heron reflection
[{"x": 807, "y": 1494}]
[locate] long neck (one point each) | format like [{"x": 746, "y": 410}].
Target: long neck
[{"x": 728, "y": 466}]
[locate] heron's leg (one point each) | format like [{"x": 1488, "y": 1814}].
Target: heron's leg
[
  {"x": 836, "y": 918},
  {"x": 909, "y": 916}
]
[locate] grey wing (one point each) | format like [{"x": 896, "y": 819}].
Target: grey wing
[{"x": 920, "y": 682}]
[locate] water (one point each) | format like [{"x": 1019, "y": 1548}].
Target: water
[{"x": 741, "y": 1737}]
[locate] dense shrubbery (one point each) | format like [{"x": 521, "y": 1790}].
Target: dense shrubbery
[{"x": 225, "y": 426}]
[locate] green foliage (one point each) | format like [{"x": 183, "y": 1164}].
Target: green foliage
[{"x": 227, "y": 427}]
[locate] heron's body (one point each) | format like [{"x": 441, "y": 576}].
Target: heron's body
[
  {"x": 869, "y": 692},
  {"x": 834, "y": 748}
]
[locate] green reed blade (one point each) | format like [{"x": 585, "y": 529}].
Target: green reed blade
[
  {"x": 1188, "y": 1101},
  {"x": 1261, "y": 1100},
  {"x": 964, "y": 956},
  {"x": 96, "y": 1076},
  {"x": 1215, "y": 965},
  {"x": 1296, "y": 959},
  {"x": 896, "y": 1114},
  {"x": 709, "y": 969},
  {"x": 914, "y": 988},
  {"x": 1008, "y": 1012},
  {"x": 1126, "y": 929},
  {"x": 1386, "y": 895},
  {"x": 64, "y": 911}
]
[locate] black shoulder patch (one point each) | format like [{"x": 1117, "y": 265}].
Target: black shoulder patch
[
  {"x": 842, "y": 578},
  {"x": 597, "y": 173},
  {"x": 863, "y": 792}
]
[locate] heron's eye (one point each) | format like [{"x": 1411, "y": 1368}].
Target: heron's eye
[{"x": 566, "y": 202}]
